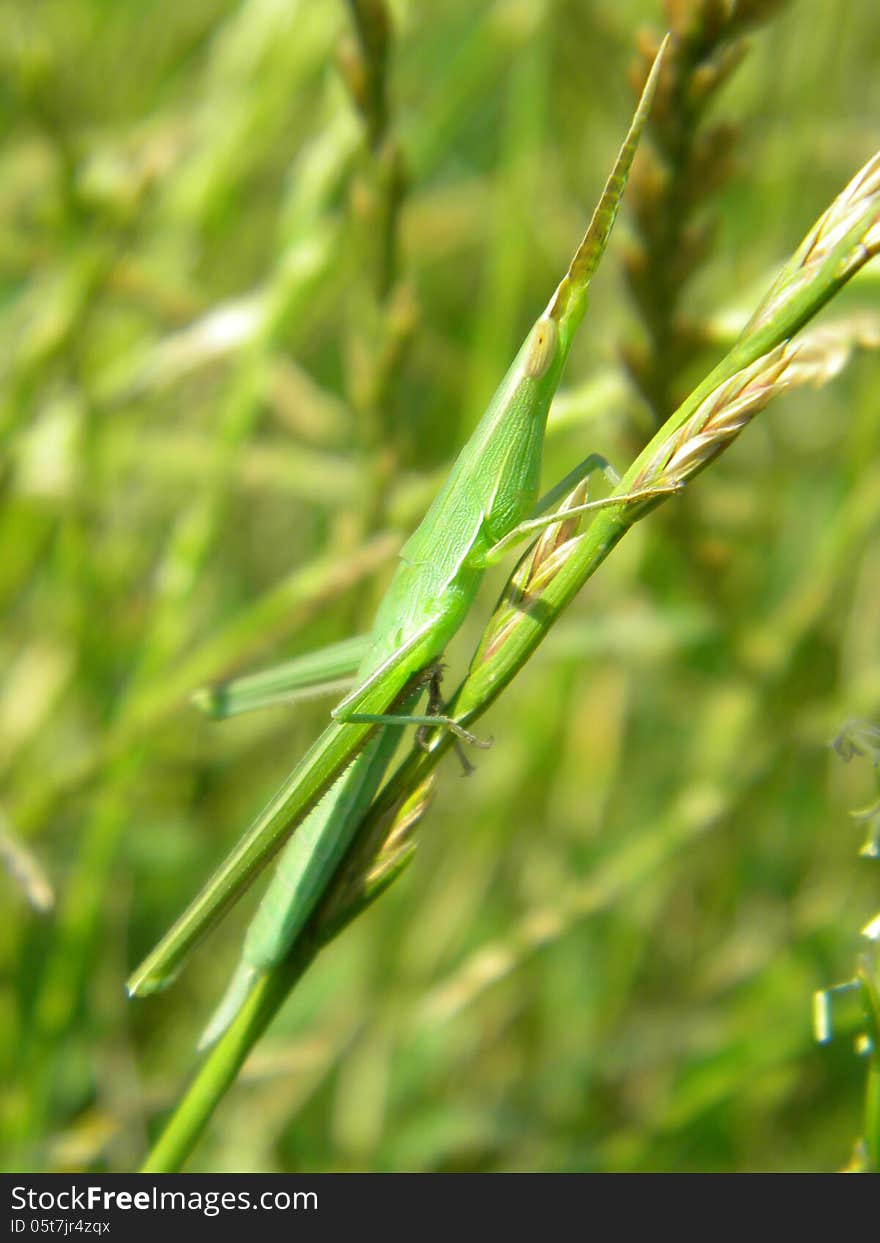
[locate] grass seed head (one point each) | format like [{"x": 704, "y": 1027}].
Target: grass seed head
[{"x": 858, "y": 204}]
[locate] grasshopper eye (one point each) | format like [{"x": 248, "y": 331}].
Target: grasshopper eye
[{"x": 542, "y": 348}]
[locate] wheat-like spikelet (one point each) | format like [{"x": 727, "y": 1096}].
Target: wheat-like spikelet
[
  {"x": 726, "y": 411},
  {"x": 814, "y": 358},
  {"x": 858, "y": 197},
  {"x": 376, "y": 861},
  {"x": 849, "y": 230}
]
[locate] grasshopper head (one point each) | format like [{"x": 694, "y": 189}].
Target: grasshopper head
[{"x": 541, "y": 348}]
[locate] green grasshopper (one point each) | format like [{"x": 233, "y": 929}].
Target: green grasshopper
[{"x": 486, "y": 507}]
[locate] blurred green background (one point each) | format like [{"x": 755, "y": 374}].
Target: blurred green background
[{"x": 222, "y": 404}]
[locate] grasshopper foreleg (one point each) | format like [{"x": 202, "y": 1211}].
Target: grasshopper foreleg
[
  {"x": 434, "y": 707},
  {"x": 433, "y": 718}
]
